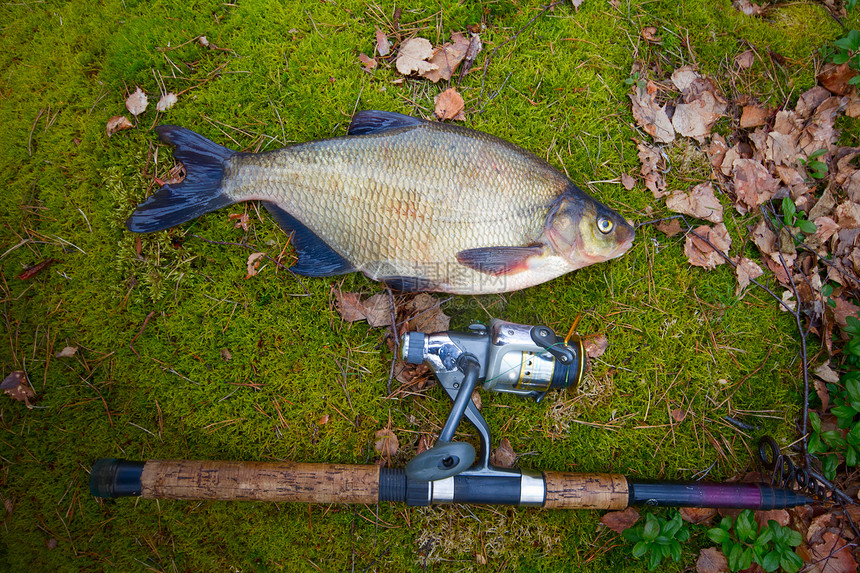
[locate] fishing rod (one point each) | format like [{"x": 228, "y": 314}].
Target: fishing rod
[{"x": 503, "y": 357}]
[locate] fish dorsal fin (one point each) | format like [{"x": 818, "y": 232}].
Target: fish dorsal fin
[
  {"x": 316, "y": 257},
  {"x": 373, "y": 121},
  {"x": 498, "y": 260}
]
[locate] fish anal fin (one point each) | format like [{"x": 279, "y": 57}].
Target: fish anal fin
[
  {"x": 410, "y": 284},
  {"x": 316, "y": 257},
  {"x": 499, "y": 260},
  {"x": 373, "y": 121}
]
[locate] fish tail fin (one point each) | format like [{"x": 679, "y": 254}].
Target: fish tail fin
[{"x": 199, "y": 193}]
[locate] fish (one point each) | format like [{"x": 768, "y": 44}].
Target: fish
[{"x": 418, "y": 205}]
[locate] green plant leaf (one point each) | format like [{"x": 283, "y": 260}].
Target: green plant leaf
[
  {"x": 807, "y": 227},
  {"x": 633, "y": 534},
  {"x": 815, "y": 446},
  {"x": 828, "y": 466},
  {"x": 734, "y": 557},
  {"x": 817, "y": 154},
  {"x": 652, "y": 528},
  {"x": 671, "y": 527},
  {"x": 838, "y": 58},
  {"x": 815, "y": 422},
  {"x": 683, "y": 535},
  {"x": 675, "y": 550},
  {"x": 794, "y": 538},
  {"x": 844, "y": 411},
  {"x": 788, "y": 210},
  {"x": 640, "y": 549},
  {"x": 764, "y": 537},
  {"x": 771, "y": 561},
  {"x": 654, "y": 558},
  {"x": 746, "y": 558},
  {"x": 746, "y": 526},
  {"x": 790, "y": 561},
  {"x": 853, "y": 325},
  {"x": 718, "y": 535}
]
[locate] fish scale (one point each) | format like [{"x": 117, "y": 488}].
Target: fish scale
[{"x": 413, "y": 200}]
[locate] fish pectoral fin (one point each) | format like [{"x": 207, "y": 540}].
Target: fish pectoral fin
[
  {"x": 499, "y": 260},
  {"x": 316, "y": 257},
  {"x": 373, "y": 121}
]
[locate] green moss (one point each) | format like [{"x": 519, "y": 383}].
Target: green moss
[{"x": 181, "y": 356}]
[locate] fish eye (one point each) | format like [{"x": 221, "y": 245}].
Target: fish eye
[{"x": 604, "y": 225}]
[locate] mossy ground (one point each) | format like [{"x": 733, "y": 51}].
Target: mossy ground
[{"x": 285, "y": 72}]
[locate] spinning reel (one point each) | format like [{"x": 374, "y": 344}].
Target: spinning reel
[{"x": 504, "y": 357}]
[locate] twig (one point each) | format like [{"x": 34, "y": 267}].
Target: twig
[{"x": 131, "y": 344}]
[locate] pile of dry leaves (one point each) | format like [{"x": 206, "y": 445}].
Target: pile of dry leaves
[
  {"x": 806, "y": 241},
  {"x": 419, "y": 58}
]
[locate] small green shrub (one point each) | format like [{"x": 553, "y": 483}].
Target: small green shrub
[
  {"x": 658, "y": 538},
  {"x": 770, "y": 546}
]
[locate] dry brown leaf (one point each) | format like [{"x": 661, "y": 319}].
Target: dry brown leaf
[
  {"x": 595, "y": 345},
  {"x": 416, "y": 375},
  {"x": 700, "y": 253},
  {"x": 696, "y": 117},
  {"x": 324, "y": 420},
  {"x": 746, "y": 269},
  {"x": 747, "y": 7},
  {"x": 699, "y": 202},
  {"x": 118, "y": 123},
  {"x": 226, "y": 355},
  {"x": 826, "y": 373},
  {"x": 66, "y": 352},
  {"x": 830, "y": 556},
  {"x": 577, "y": 4},
  {"x": 679, "y": 415},
  {"x": 781, "y": 148},
  {"x": 697, "y": 515},
  {"x": 377, "y": 310},
  {"x": 717, "y": 150},
  {"x": 848, "y": 215},
  {"x": 670, "y": 228},
  {"x": 619, "y": 521},
  {"x": 745, "y": 60},
  {"x": 413, "y": 55},
  {"x": 649, "y": 33},
  {"x": 810, "y": 100},
  {"x": 843, "y": 310},
  {"x": 711, "y": 561},
  {"x": 754, "y": 116},
  {"x": 349, "y": 306},
  {"x": 136, "y": 102},
  {"x": 386, "y": 443},
  {"x": 753, "y": 184},
  {"x": 628, "y": 181},
  {"x": 450, "y": 105},
  {"x": 476, "y": 399},
  {"x": 475, "y": 47},
  {"x": 253, "y": 264},
  {"x": 650, "y": 116},
  {"x": 383, "y": 46},
  {"x": 835, "y": 78},
  {"x": 424, "y": 314},
  {"x": 368, "y": 62},
  {"x": 447, "y": 57},
  {"x": 778, "y": 515},
  {"x": 15, "y": 385},
  {"x": 242, "y": 220},
  {"x": 166, "y": 102},
  {"x": 503, "y": 456},
  {"x": 684, "y": 78},
  {"x": 652, "y": 169}
]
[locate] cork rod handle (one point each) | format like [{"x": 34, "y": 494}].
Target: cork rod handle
[
  {"x": 585, "y": 491},
  {"x": 225, "y": 480}
]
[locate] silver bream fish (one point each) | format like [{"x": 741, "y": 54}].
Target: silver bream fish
[{"x": 416, "y": 204}]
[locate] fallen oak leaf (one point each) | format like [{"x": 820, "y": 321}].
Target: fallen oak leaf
[
  {"x": 698, "y": 247},
  {"x": 450, "y": 105},
  {"x": 503, "y": 456},
  {"x": 699, "y": 202},
  {"x": 369, "y": 63},
  {"x": 383, "y": 46},
  {"x": 15, "y": 385},
  {"x": 711, "y": 561},
  {"x": 835, "y": 78},
  {"x": 67, "y": 352},
  {"x": 118, "y": 123},
  {"x": 696, "y": 117},
  {"x": 619, "y": 521},
  {"x": 413, "y": 55},
  {"x": 349, "y": 306},
  {"x": 670, "y": 228},
  {"x": 166, "y": 102},
  {"x": 446, "y": 58},
  {"x": 377, "y": 310},
  {"x": 754, "y": 116},
  {"x": 386, "y": 443},
  {"x": 137, "y": 102},
  {"x": 745, "y": 270},
  {"x": 650, "y": 116},
  {"x": 253, "y": 264}
]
